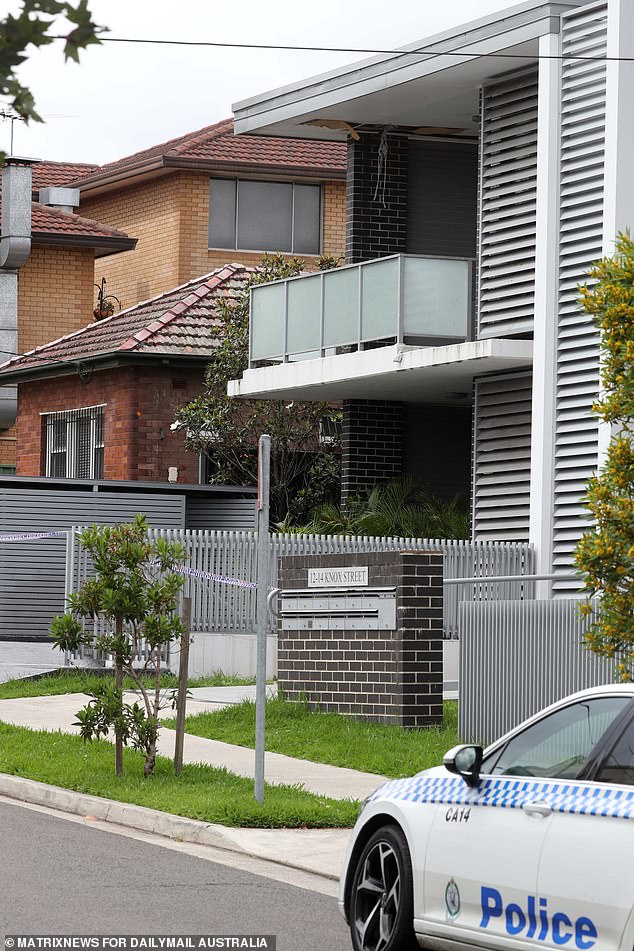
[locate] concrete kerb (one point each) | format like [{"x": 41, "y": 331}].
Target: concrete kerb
[{"x": 143, "y": 819}]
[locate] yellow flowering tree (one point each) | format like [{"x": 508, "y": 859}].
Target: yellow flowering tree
[{"x": 605, "y": 553}]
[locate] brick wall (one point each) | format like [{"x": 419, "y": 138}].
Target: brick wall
[
  {"x": 170, "y": 217},
  {"x": 371, "y": 444},
  {"x": 55, "y": 298},
  {"x": 55, "y": 294},
  {"x": 140, "y": 405},
  {"x": 388, "y": 676},
  {"x": 150, "y": 212},
  {"x": 375, "y": 229}
]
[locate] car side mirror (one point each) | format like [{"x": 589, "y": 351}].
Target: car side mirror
[{"x": 465, "y": 761}]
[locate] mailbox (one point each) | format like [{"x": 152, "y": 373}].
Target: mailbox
[{"x": 372, "y": 609}]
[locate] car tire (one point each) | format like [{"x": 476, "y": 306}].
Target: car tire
[{"x": 381, "y": 910}]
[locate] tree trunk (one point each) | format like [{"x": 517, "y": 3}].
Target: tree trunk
[
  {"x": 150, "y": 758},
  {"x": 150, "y": 749}
]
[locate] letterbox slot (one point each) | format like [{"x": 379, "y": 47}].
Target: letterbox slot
[{"x": 338, "y": 609}]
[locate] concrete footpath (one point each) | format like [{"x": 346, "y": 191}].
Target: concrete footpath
[{"x": 319, "y": 851}]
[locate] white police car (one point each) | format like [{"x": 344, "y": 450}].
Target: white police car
[{"x": 527, "y": 844}]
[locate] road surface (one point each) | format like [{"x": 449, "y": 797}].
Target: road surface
[{"x": 66, "y": 876}]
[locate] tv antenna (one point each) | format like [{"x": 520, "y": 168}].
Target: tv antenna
[{"x": 9, "y": 116}]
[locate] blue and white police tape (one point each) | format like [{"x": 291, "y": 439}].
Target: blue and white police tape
[
  {"x": 192, "y": 572},
  {"x": 221, "y": 579},
  {"x": 30, "y": 536}
]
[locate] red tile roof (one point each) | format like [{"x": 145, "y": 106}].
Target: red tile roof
[
  {"x": 52, "y": 225},
  {"x": 179, "y": 323},
  {"x": 216, "y": 146},
  {"x": 52, "y": 221},
  {"x": 51, "y": 174}
]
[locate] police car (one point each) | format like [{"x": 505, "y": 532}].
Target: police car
[{"x": 527, "y": 844}]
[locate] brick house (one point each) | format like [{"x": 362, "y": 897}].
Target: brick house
[
  {"x": 55, "y": 287},
  {"x": 99, "y": 403},
  {"x": 203, "y": 199}
]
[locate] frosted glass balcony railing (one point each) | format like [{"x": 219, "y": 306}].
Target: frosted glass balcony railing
[{"x": 405, "y": 298}]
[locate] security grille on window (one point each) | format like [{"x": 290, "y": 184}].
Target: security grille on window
[
  {"x": 265, "y": 216},
  {"x": 74, "y": 443}
]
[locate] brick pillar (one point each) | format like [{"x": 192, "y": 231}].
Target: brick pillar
[
  {"x": 374, "y": 229},
  {"x": 387, "y": 675},
  {"x": 371, "y": 446}
]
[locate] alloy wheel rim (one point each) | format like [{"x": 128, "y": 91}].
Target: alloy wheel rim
[{"x": 377, "y": 898}]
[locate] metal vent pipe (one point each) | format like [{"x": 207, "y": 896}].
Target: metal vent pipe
[{"x": 15, "y": 248}]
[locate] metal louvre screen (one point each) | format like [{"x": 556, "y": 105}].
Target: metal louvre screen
[
  {"x": 580, "y": 243},
  {"x": 32, "y": 573},
  {"x": 508, "y": 177},
  {"x": 501, "y": 457},
  {"x": 517, "y": 657}
]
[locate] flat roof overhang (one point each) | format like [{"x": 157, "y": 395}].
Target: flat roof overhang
[
  {"x": 438, "y": 87},
  {"x": 405, "y": 374}
]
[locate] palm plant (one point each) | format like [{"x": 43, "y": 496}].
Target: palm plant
[{"x": 394, "y": 509}]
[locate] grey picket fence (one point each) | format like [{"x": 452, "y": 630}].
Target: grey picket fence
[{"x": 231, "y": 555}]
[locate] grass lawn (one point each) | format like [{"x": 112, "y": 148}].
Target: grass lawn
[
  {"x": 201, "y": 792},
  {"x": 293, "y": 729},
  {"x": 82, "y": 681}
]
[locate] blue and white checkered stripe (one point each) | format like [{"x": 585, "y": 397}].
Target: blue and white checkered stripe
[{"x": 577, "y": 798}]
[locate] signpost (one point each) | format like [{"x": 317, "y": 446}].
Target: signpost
[{"x": 261, "y": 607}]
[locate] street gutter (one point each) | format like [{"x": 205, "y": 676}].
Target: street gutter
[{"x": 181, "y": 829}]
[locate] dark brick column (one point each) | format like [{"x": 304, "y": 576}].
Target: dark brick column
[
  {"x": 373, "y": 229},
  {"x": 390, "y": 676},
  {"x": 371, "y": 445}
]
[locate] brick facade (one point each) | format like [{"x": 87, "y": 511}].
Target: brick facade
[
  {"x": 387, "y": 676},
  {"x": 371, "y": 445},
  {"x": 140, "y": 405},
  {"x": 55, "y": 298},
  {"x": 375, "y": 229},
  {"x": 55, "y": 294},
  {"x": 170, "y": 217}
]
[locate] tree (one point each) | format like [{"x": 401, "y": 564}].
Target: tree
[
  {"x": 605, "y": 553},
  {"x": 33, "y": 26},
  {"x": 134, "y": 592},
  {"x": 304, "y": 470}
]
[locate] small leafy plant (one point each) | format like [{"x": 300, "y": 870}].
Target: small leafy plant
[{"x": 135, "y": 593}]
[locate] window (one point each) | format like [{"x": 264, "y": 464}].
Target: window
[
  {"x": 265, "y": 216},
  {"x": 619, "y": 766},
  {"x": 73, "y": 443},
  {"x": 558, "y": 745}
]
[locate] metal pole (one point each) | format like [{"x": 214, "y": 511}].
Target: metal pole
[{"x": 261, "y": 608}]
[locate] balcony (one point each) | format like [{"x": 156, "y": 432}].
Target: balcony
[{"x": 402, "y": 299}]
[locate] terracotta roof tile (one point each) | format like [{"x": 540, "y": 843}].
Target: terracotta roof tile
[
  {"x": 48, "y": 174},
  {"x": 180, "y": 322},
  {"x": 217, "y": 144},
  {"x": 51, "y": 221},
  {"x": 47, "y": 220}
]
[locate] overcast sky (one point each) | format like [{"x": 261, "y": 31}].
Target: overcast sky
[{"x": 122, "y": 98}]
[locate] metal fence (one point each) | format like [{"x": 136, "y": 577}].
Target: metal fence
[
  {"x": 217, "y": 606},
  {"x": 516, "y": 657}
]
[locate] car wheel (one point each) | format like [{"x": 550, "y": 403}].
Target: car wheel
[{"x": 381, "y": 900}]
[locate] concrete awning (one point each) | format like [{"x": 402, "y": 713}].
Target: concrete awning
[
  {"x": 432, "y": 82},
  {"x": 405, "y": 374}
]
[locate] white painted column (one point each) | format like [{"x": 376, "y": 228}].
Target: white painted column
[
  {"x": 546, "y": 309},
  {"x": 618, "y": 199}
]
